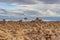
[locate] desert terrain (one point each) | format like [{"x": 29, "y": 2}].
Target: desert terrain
[{"x": 29, "y": 30}]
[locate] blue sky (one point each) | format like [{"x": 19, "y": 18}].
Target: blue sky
[
  {"x": 18, "y": 9},
  {"x": 7, "y": 6}
]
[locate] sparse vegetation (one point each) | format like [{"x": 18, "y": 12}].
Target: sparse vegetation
[
  {"x": 25, "y": 18},
  {"x": 34, "y": 30}
]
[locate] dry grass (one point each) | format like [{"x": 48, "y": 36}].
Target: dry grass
[{"x": 34, "y": 30}]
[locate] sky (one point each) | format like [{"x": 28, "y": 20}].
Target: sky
[{"x": 19, "y": 9}]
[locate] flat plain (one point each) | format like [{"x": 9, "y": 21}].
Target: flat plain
[{"x": 30, "y": 30}]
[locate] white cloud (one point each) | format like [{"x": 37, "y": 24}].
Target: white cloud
[
  {"x": 50, "y": 13},
  {"x": 40, "y": 9}
]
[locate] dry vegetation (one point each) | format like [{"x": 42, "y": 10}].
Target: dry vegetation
[{"x": 34, "y": 30}]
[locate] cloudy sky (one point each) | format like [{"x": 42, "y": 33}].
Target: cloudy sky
[{"x": 18, "y": 9}]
